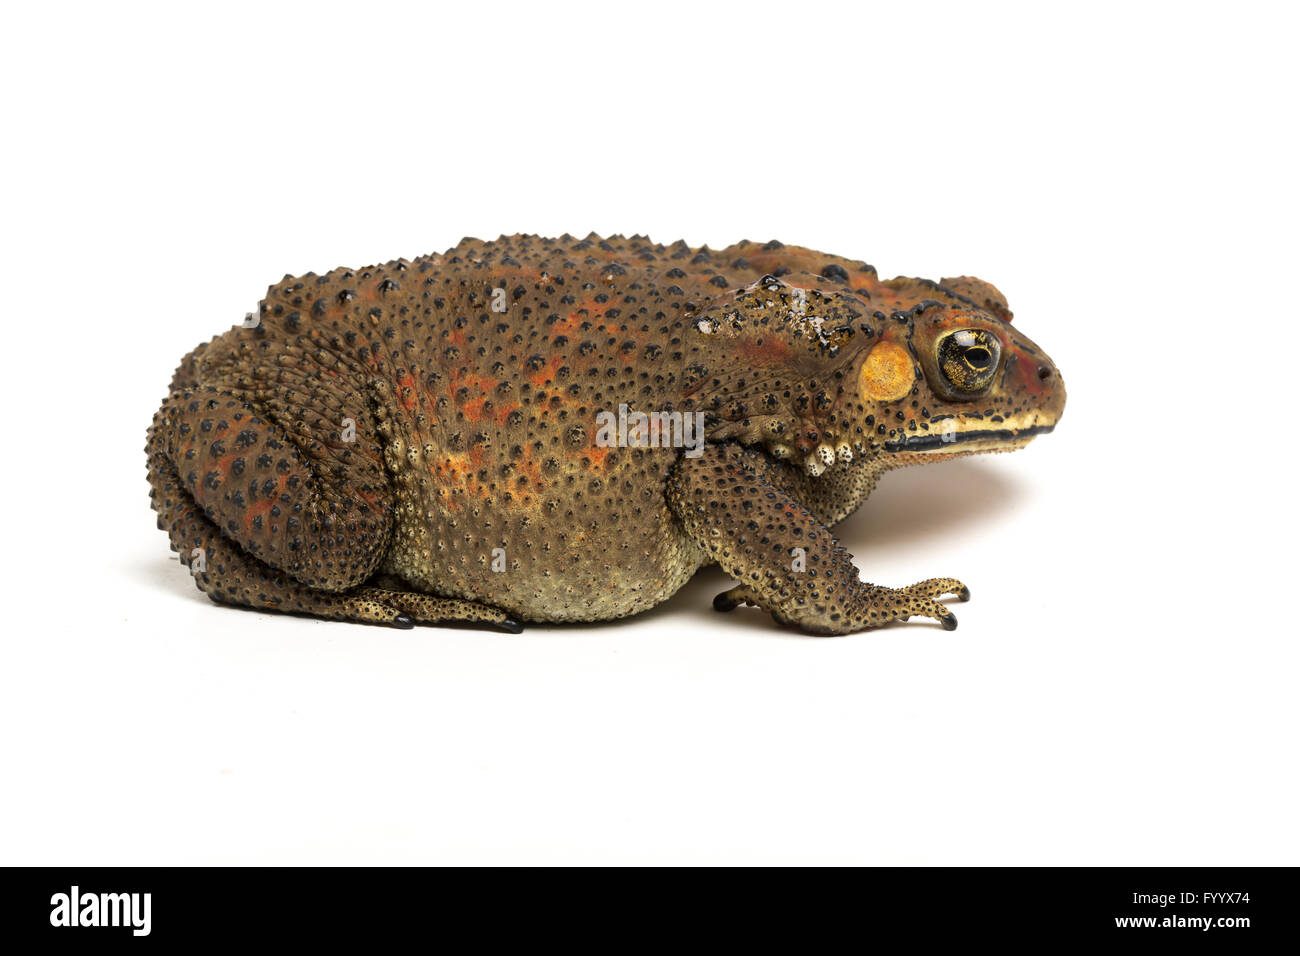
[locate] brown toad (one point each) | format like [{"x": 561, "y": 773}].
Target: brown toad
[{"x": 566, "y": 430}]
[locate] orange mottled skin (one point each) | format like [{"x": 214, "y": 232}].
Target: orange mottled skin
[{"x": 417, "y": 442}]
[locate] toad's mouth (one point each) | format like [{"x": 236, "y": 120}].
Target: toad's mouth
[{"x": 990, "y": 437}]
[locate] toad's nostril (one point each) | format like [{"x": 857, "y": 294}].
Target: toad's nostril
[{"x": 1044, "y": 372}]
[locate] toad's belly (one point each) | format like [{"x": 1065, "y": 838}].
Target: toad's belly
[{"x": 547, "y": 567}]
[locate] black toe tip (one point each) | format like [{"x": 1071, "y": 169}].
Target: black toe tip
[
  {"x": 510, "y": 626},
  {"x": 723, "y": 603},
  {"x": 964, "y": 594},
  {"x": 404, "y": 622},
  {"x": 949, "y": 622}
]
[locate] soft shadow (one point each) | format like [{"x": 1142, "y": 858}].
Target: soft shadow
[
  {"x": 912, "y": 505},
  {"x": 166, "y": 573},
  {"x": 698, "y": 592}
]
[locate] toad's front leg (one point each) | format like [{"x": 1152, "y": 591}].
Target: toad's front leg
[{"x": 786, "y": 560}]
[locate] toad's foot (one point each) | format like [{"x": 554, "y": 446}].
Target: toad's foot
[
  {"x": 887, "y": 604},
  {"x": 438, "y": 611}
]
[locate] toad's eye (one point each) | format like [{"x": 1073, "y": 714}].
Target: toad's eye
[{"x": 969, "y": 359}]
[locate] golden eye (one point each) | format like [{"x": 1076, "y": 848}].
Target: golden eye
[{"x": 969, "y": 359}]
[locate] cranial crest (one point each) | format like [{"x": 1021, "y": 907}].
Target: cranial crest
[{"x": 825, "y": 322}]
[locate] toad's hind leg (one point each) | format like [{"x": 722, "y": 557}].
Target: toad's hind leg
[
  {"x": 306, "y": 497},
  {"x": 276, "y": 511},
  {"x": 229, "y": 575},
  {"x": 277, "y": 506}
]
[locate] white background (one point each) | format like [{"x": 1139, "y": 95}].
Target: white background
[{"x": 1122, "y": 688}]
